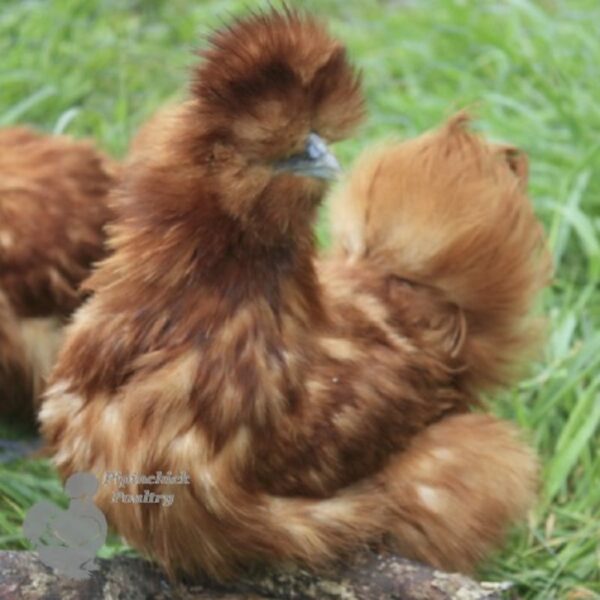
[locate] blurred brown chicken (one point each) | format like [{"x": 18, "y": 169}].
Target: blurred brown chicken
[
  {"x": 53, "y": 208},
  {"x": 315, "y": 407}
]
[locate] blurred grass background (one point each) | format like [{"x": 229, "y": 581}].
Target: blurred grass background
[{"x": 529, "y": 70}]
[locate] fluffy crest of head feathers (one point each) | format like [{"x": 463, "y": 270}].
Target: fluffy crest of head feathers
[
  {"x": 249, "y": 149},
  {"x": 271, "y": 78}
]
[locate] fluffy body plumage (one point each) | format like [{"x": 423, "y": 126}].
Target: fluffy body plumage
[
  {"x": 317, "y": 406},
  {"x": 53, "y": 206}
]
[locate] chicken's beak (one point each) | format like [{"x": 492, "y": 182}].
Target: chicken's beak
[{"x": 316, "y": 161}]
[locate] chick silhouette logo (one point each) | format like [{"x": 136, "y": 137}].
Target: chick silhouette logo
[{"x": 68, "y": 540}]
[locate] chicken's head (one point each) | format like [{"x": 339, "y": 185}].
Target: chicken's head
[{"x": 272, "y": 91}]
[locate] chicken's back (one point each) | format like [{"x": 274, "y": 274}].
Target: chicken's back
[{"x": 53, "y": 208}]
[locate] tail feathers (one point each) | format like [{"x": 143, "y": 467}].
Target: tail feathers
[{"x": 448, "y": 211}]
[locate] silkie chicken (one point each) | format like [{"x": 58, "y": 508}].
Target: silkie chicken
[
  {"x": 53, "y": 206},
  {"x": 316, "y": 407}
]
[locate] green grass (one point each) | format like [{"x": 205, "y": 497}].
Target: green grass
[{"x": 529, "y": 70}]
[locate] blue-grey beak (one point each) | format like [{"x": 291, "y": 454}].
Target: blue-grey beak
[{"x": 316, "y": 161}]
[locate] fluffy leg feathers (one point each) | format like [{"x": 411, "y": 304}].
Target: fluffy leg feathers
[{"x": 457, "y": 488}]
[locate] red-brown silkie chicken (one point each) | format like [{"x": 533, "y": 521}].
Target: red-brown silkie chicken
[
  {"x": 53, "y": 206},
  {"x": 316, "y": 409}
]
